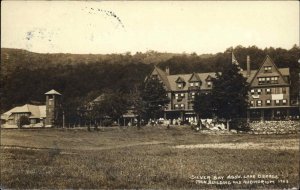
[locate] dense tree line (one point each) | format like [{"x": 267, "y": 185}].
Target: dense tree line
[{"x": 26, "y": 76}]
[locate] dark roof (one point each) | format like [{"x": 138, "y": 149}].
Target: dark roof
[
  {"x": 173, "y": 85},
  {"x": 194, "y": 78},
  {"x": 163, "y": 76}
]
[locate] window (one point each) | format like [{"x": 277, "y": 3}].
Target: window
[
  {"x": 192, "y": 84},
  {"x": 182, "y": 94},
  {"x": 284, "y": 101},
  {"x": 252, "y": 103},
  {"x": 252, "y": 91},
  {"x": 258, "y": 103},
  {"x": 277, "y": 91},
  {"x": 193, "y": 95},
  {"x": 258, "y": 91},
  {"x": 176, "y": 96},
  {"x": 268, "y": 91},
  {"x": 283, "y": 90},
  {"x": 179, "y": 85},
  {"x": 182, "y": 105},
  {"x": 209, "y": 83},
  {"x": 196, "y": 83},
  {"x": 268, "y": 102},
  {"x": 268, "y": 69},
  {"x": 176, "y": 105},
  {"x": 277, "y": 102},
  {"x": 274, "y": 80},
  {"x": 263, "y": 80},
  {"x": 154, "y": 76}
]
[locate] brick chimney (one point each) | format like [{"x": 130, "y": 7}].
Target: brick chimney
[
  {"x": 167, "y": 70},
  {"x": 248, "y": 66}
]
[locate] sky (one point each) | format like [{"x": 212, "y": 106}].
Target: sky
[{"x": 135, "y": 26}]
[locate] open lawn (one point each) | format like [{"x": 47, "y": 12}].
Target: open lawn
[{"x": 152, "y": 157}]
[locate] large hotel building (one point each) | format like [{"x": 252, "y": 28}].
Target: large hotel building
[{"x": 269, "y": 97}]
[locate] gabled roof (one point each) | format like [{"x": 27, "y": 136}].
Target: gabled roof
[
  {"x": 99, "y": 98},
  {"x": 250, "y": 77},
  {"x": 268, "y": 59},
  {"x": 208, "y": 78},
  {"x": 202, "y": 76},
  {"x": 34, "y": 111},
  {"x": 53, "y": 92},
  {"x": 179, "y": 80},
  {"x": 162, "y": 75},
  {"x": 170, "y": 80},
  {"x": 194, "y": 78}
]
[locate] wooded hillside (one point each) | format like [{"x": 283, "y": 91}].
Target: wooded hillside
[{"x": 26, "y": 76}]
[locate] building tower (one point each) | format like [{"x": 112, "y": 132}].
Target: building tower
[{"x": 52, "y": 107}]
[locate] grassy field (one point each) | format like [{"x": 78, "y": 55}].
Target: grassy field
[{"x": 147, "y": 158}]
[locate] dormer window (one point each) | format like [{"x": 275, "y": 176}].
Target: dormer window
[
  {"x": 191, "y": 84},
  {"x": 155, "y": 76},
  {"x": 268, "y": 69},
  {"x": 180, "y": 83},
  {"x": 196, "y": 83},
  {"x": 209, "y": 83}
]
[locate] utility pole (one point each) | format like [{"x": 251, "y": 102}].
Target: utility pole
[
  {"x": 299, "y": 89},
  {"x": 63, "y": 118}
]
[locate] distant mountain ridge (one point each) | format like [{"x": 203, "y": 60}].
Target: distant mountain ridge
[{"x": 68, "y": 58}]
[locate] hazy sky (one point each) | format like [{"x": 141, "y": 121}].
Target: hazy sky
[{"x": 118, "y": 27}]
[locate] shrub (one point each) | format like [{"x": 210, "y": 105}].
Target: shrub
[{"x": 23, "y": 120}]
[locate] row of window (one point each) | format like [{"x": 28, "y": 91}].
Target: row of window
[
  {"x": 182, "y": 95},
  {"x": 259, "y": 103},
  {"x": 259, "y": 91},
  {"x": 268, "y": 69},
  {"x": 193, "y": 84},
  {"x": 183, "y": 106},
  {"x": 179, "y": 106},
  {"x": 268, "y": 80}
]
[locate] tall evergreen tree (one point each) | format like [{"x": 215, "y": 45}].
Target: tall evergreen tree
[
  {"x": 155, "y": 97},
  {"x": 203, "y": 105},
  {"x": 230, "y": 94}
]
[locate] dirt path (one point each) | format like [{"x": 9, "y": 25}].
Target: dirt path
[
  {"x": 86, "y": 148},
  {"x": 292, "y": 144}
]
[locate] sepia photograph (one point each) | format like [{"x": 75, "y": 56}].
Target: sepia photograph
[{"x": 150, "y": 95}]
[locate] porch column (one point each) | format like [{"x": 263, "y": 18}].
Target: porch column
[
  {"x": 181, "y": 115},
  {"x": 262, "y": 112},
  {"x": 288, "y": 113},
  {"x": 248, "y": 116},
  {"x": 165, "y": 115},
  {"x": 272, "y": 117}
]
